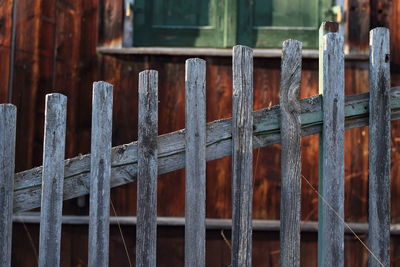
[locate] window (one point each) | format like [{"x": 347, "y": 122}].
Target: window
[{"x": 224, "y": 23}]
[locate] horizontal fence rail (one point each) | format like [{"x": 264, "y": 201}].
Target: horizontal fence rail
[
  {"x": 171, "y": 147},
  {"x": 328, "y": 114}
]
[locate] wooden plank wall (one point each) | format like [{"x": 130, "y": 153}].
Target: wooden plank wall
[
  {"x": 56, "y": 52},
  {"x": 5, "y": 43}
]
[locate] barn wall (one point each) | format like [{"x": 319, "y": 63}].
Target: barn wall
[{"x": 56, "y": 52}]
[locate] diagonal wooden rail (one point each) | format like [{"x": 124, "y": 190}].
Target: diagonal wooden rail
[{"x": 171, "y": 153}]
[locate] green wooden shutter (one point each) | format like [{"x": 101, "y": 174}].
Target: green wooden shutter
[
  {"x": 224, "y": 23},
  {"x": 267, "y": 23},
  {"x": 189, "y": 23}
]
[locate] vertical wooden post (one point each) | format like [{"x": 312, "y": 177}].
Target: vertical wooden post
[
  {"x": 100, "y": 174},
  {"x": 290, "y": 154},
  {"x": 331, "y": 227},
  {"x": 325, "y": 28},
  {"x": 195, "y": 195},
  {"x": 242, "y": 156},
  {"x": 379, "y": 147},
  {"x": 8, "y": 120},
  {"x": 146, "y": 228},
  {"x": 52, "y": 180}
]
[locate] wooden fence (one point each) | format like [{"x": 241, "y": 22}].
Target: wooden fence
[{"x": 329, "y": 114}]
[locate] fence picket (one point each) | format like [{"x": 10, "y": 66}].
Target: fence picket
[
  {"x": 8, "y": 118},
  {"x": 100, "y": 174},
  {"x": 242, "y": 159},
  {"x": 379, "y": 147},
  {"x": 195, "y": 195},
  {"x": 290, "y": 154},
  {"x": 52, "y": 180},
  {"x": 146, "y": 229},
  {"x": 331, "y": 227}
]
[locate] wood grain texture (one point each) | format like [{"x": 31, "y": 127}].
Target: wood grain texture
[
  {"x": 12, "y": 49},
  {"x": 8, "y": 123},
  {"x": 380, "y": 13},
  {"x": 146, "y": 229},
  {"x": 358, "y": 25},
  {"x": 379, "y": 148},
  {"x": 331, "y": 181},
  {"x": 6, "y": 18},
  {"x": 242, "y": 156},
  {"x": 100, "y": 174},
  {"x": 110, "y": 22},
  {"x": 25, "y": 87},
  {"x": 171, "y": 148},
  {"x": 394, "y": 18},
  {"x": 195, "y": 194},
  {"x": 325, "y": 28},
  {"x": 53, "y": 180},
  {"x": 291, "y": 153}
]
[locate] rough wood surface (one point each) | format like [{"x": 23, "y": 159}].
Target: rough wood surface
[
  {"x": 52, "y": 180},
  {"x": 171, "y": 147},
  {"x": 146, "y": 229},
  {"x": 26, "y": 82},
  {"x": 379, "y": 147},
  {"x": 110, "y": 20},
  {"x": 100, "y": 174},
  {"x": 359, "y": 14},
  {"x": 290, "y": 153},
  {"x": 6, "y": 18},
  {"x": 195, "y": 195},
  {"x": 331, "y": 180},
  {"x": 12, "y": 50},
  {"x": 242, "y": 155},
  {"x": 8, "y": 123}
]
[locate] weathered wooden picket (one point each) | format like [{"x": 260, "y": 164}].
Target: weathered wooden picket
[{"x": 329, "y": 114}]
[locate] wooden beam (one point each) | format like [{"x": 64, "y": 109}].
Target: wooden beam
[{"x": 266, "y": 131}]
